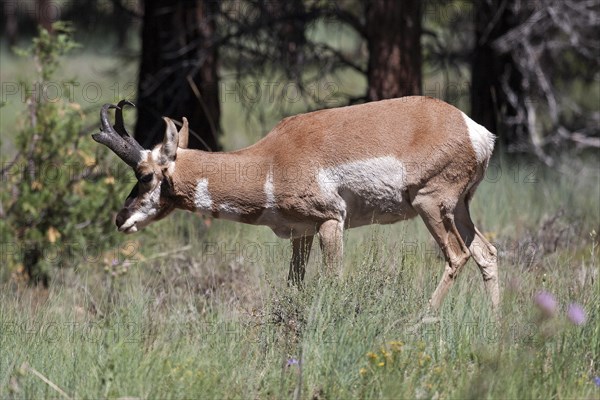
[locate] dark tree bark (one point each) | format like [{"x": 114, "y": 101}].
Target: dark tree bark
[
  {"x": 122, "y": 17},
  {"x": 11, "y": 22},
  {"x": 45, "y": 14},
  {"x": 178, "y": 72},
  {"x": 497, "y": 100},
  {"x": 393, "y": 31},
  {"x": 289, "y": 34}
]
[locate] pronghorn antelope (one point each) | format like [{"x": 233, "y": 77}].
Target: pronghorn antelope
[{"x": 322, "y": 172}]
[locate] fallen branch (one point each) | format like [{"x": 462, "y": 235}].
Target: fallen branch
[{"x": 47, "y": 381}]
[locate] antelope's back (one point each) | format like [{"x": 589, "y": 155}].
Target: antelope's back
[{"x": 417, "y": 131}]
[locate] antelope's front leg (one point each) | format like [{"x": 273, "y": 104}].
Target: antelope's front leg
[
  {"x": 300, "y": 252},
  {"x": 331, "y": 239}
]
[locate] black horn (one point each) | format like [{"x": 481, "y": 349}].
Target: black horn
[
  {"x": 120, "y": 125},
  {"x": 106, "y": 126},
  {"x": 127, "y": 149}
]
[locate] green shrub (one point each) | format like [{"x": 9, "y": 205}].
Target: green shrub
[{"x": 58, "y": 191}]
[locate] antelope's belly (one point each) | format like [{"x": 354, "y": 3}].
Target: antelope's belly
[{"x": 384, "y": 206}]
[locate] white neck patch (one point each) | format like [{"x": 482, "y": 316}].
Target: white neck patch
[
  {"x": 202, "y": 199},
  {"x": 269, "y": 189}
]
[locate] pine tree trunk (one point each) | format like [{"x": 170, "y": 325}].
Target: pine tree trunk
[
  {"x": 493, "y": 75},
  {"x": 394, "y": 40},
  {"x": 178, "y": 72}
]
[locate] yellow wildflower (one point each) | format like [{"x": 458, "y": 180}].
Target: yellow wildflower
[
  {"x": 396, "y": 346},
  {"x": 372, "y": 356},
  {"x": 423, "y": 359},
  {"x": 53, "y": 234},
  {"x": 386, "y": 354}
]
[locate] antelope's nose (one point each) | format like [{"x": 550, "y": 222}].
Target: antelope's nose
[{"x": 121, "y": 218}]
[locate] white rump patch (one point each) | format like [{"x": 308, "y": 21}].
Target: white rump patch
[
  {"x": 482, "y": 140},
  {"x": 202, "y": 199}
]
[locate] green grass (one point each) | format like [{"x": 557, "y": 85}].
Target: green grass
[{"x": 206, "y": 313}]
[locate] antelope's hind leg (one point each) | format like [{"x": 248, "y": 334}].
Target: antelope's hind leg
[
  {"x": 439, "y": 219},
  {"x": 482, "y": 251}
]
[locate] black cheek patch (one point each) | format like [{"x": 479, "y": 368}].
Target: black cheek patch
[
  {"x": 167, "y": 196},
  {"x": 134, "y": 192},
  {"x": 166, "y": 189}
]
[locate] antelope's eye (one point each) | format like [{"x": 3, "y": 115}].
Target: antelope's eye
[{"x": 146, "y": 178}]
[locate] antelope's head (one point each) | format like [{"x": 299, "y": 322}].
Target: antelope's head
[{"x": 152, "y": 196}]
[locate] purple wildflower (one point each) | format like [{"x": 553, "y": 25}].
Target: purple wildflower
[
  {"x": 546, "y": 303},
  {"x": 597, "y": 380},
  {"x": 292, "y": 361},
  {"x": 576, "y": 314}
]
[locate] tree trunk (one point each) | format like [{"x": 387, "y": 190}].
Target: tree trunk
[
  {"x": 45, "y": 14},
  {"x": 497, "y": 100},
  {"x": 393, "y": 31},
  {"x": 11, "y": 27},
  {"x": 178, "y": 72}
]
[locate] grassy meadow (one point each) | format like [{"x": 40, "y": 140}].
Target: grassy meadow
[{"x": 199, "y": 308}]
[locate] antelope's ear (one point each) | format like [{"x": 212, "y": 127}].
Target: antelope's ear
[
  {"x": 184, "y": 134},
  {"x": 168, "y": 150}
]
